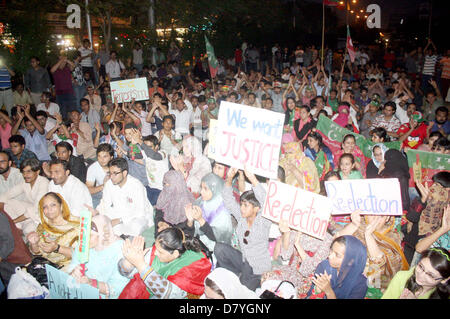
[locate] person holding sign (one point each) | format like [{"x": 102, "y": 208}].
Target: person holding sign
[
  {"x": 341, "y": 276},
  {"x": 252, "y": 231},
  {"x": 300, "y": 254},
  {"x": 105, "y": 251},
  {"x": 58, "y": 231},
  {"x": 382, "y": 241}
]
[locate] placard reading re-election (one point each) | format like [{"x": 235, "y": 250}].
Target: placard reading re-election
[
  {"x": 305, "y": 211},
  {"x": 249, "y": 137},
  {"x": 377, "y": 196},
  {"x": 127, "y": 90}
]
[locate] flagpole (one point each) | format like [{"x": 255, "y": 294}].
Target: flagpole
[{"x": 323, "y": 27}]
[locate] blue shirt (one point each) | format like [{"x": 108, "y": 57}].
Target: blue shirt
[
  {"x": 445, "y": 127},
  {"x": 5, "y": 78},
  {"x": 36, "y": 143}
]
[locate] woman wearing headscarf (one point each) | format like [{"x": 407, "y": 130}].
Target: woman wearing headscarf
[
  {"x": 58, "y": 231},
  {"x": 376, "y": 165},
  {"x": 300, "y": 169},
  {"x": 169, "y": 209},
  {"x": 173, "y": 268},
  {"x": 105, "y": 251},
  {"x": 304, "y": 124},
  {"x": 193, "y": 164},
  {"x": 224, "y": 284},
  {"x": 210, "y": 212},
  {"x": 341, "y": 276},
  {"x": 320, "y": 154},
  {"x": 383, "y": 244}
]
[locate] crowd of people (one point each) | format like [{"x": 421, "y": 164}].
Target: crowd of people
[{"x": 169, "y": 222}]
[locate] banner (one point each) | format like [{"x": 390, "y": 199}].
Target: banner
[
  {"x": 84, "y": 236},
  {"x": 212, "y": 60},
  {"x": 375, "y": 196},
  {"x": 64, "y": 286},
  {"x": 249, "y": 137},
  {"x": 333, "y": 134},
  {"x": 427, "y": 164},
  {"x": 305, "y": 211},
  {"x": 127, "y": 90}
]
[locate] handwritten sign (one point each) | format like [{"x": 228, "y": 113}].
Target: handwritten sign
[
  {"x": 84, "y": 236},
  {"x": 64, "y": 286},
  {"x": 212, "y": 139},
  {"x": 249, "y": 137},
  {"x": 127, "y": 90},
  {"x": 305, "y": 211},
  {"x": 377, "y": 196}
]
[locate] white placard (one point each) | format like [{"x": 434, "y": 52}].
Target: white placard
[
  {"x": 305, "y": 211},
  {"x": 127, "y": 90},
  {"x": 375, "y": 196},
  {"x": 249, "y": 137}
]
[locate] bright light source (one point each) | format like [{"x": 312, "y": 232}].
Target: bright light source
[
  {"x": 354, "y": 1},
  {"x": 357, "y": 17}
]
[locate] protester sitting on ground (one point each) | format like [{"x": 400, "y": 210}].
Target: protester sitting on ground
[
  {"x": 224, "y": 284},
  {"x": 21, "y": 201}
]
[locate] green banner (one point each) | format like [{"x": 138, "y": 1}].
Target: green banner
[
  {"x": 335, "y": 132},
  {"x": 429, "y": 160}
]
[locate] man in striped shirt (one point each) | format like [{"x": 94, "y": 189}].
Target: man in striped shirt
[
  {"x": 429, "y": 65},
  {"x": 6, "y": 94}
]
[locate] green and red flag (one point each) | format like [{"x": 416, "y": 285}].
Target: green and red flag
[
  {"x": 350, "y": 48},
  {"x": 212, "y": 60},
  {"x": 424, "y": 165}
]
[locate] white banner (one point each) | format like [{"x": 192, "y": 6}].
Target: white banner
[
  {"x": 249, "y": 137},
  {"x": 127, "y": 90},
  {"x": 305, "y": 211},
  {"x": 374, "y": 196}
]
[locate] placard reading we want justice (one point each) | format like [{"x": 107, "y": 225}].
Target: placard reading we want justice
[
  {"x": 249, "y": 137},
  {"x": 304, "y": 211},
  {"x": 127, "y": 90},
  {"x": 377, "y": 196}
]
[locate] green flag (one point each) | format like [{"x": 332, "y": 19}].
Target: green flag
[{"x": 213, "y": 63}]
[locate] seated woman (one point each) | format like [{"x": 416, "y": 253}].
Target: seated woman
[
  {"x": 58, "y": 231},
  {"x": 300, "y": 170},
  {"x": 383, "y": 244},
  {"x": 224, "y": 284},
  {"x": 105, "y": 251},
  {"x": 169, "y": 208},
  {"x": 320, "y": 154},
  {"x": 304, "y": 125},
  {"x": 428, "y": 143},
  {"x": 300, "y": 255},
  {"x": 193, "y": 164},
  {"x": 173, "y": 268},
  {"x": 344, "y": 118},
  {"x": 347, "y": 167},
  {"x": 349, "y": 146},
  {"x": 428, "y": 280},
  {"x": 341, "y": 276},
  {"x": 376, "y": 164},
  {"x": 213, "y": 213},
  {"x": 379, "y": 135},
  {"x": 425, "y": 216}
]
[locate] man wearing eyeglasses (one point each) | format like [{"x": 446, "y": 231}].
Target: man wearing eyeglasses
[{"x": 125, "y": 201}]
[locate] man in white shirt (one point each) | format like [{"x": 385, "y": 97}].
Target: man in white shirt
[
  {"x": 138, "y": 61},
  {"x": 114, "y": 67},
  {"x": 87, "y": 55},
  {"x": 21, "y": 202},
  {"x": 9, "y": 176},
  {"x": 125, "y": 201},
  {"x": 182, "y": 117},
  {"x": 98, "y": 172},
  {"x": 75, "y": 192},
  {"x": 401, "y": 112},
  {"x": 196, "y": 116},
  {"x": 49, "y": 107}
]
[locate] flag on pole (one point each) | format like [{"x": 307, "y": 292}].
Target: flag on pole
[
  {"x": 331, "y": 3},
  {"x": 350, "y": 48},
  {"x": 212, "y": 60}
]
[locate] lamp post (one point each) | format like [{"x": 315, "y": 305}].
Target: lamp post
[{"x": 88, "y": 23}]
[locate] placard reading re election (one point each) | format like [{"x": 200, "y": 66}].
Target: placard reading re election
[
  {"x": 377, "y": 196},
  {"x": 249, "y": 137}
]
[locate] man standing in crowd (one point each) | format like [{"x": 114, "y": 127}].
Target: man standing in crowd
[{"x": 37, "y": 80}]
